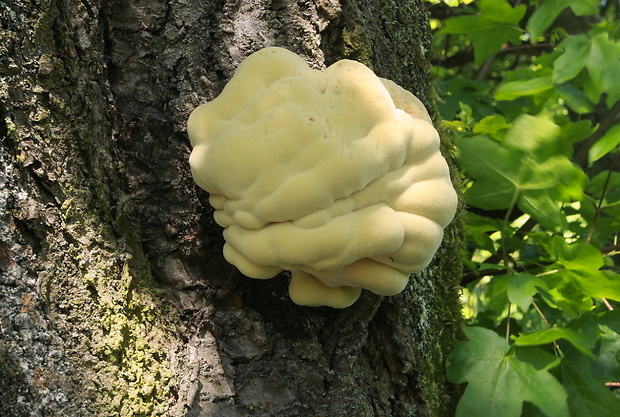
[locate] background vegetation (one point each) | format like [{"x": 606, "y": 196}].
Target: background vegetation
[{"x": 531, "y": 92}]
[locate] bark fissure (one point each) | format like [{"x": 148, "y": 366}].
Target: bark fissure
[{"x": 115, "y": 297}]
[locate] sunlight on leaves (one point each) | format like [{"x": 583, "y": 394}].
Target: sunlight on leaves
[
  {"x": 549, "y": 10},
  {"x": 580, "y": 341},
  {"x": 522, "y": 171},
  {"x": 496, "y": 24},
  {"x": 533, "y": 102},
  {"x": 516, "y": 89}
]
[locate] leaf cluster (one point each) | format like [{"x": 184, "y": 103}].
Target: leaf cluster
[{"x": 531, "y": 93}]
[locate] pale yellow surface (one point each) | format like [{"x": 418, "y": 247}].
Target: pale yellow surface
[{"x": 335, "y": 176}]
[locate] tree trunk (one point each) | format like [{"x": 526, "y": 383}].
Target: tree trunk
[{"x": 115, "y": 299}]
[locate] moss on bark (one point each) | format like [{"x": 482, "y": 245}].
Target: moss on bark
[{"x": 115, "y": 297}]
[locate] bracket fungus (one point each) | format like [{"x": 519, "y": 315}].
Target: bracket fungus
[{"x": 334, "y": 175}]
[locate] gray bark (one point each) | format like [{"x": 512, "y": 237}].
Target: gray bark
[{"x": 115, "y": 299}]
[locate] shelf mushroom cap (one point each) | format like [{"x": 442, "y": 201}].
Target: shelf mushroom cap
[{"x": 334, "y": 175}]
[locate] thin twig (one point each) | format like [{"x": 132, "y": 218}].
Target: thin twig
[
  {"x": 609, "y": 306},
  {"x": 486, "y": 67},
  {"x": 598, "y": 209},
  {"x": 508, "y": 324},
  {"x": 541, "y": 314}
]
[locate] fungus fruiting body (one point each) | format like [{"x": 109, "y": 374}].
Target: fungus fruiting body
[{"x": 334, "y": 175}]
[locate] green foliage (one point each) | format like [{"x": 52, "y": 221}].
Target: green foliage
[
  {"x": 496, "y": 24},
  {"x": 596, "y": 53},
  {"x": 530, "y": 91},
  {"x": 499, "y": 380},
  {"x": 527, "y": 168},
  {"x": 549, "y": 10},
  {"x": 605, "y": 145}
]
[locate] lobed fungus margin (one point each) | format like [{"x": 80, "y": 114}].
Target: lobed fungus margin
[{"x": 334, "y": 175}]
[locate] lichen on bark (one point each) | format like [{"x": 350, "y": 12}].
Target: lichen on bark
[
  {"x": 115, "y": 298},
  {"x": 82, "y": 326}
]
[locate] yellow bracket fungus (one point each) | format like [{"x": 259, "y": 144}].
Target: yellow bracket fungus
[{"x": 334, "y": 175}]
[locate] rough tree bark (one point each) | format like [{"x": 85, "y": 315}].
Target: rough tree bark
[{"x": 114, "y": 296}]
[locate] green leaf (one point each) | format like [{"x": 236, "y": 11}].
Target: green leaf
[
  {"x": 606, "y": 365},
  {"x": 575, "y": 99},
  {"x": 584, "y": 7},
  {"x": 519, "y": 288},
  {"x": 501, "y": 11},
  {"x": 604, "y": 145},
  {"x": 522, "y": 172},
  {"x": 522, "y": 288},
  {"x": 478, "y": 228},
  {"x": 603, "y": 180},
  {"x": 497, "y": 23},
  {"x": 544, "y": 16},
  {"x": 495, "y": 168},
  {"x": 541, "y": 360},
  {"x": 581, "y": 275},
  {"x": 466, "y": 114},
  {"x": 566, "y": 179},
  {"x": 568, "y": 300},
  {"x": 499, "y": 381},
  {"x": 549, "y": 10},
  {"x": 611, "y": 319},
  {"x": 576, "y": 50},
  {"x": 490, "y": 125},
  {"x": 578, "y": 256},
  {"x": 596, "y": 284},
  {"x": 526, "y": 170},
  {"x": 604, "y": 63},
  {"x": 515, "y": 89},
  {"x": 544, "y": 337},
  {"x": 591, "y": 90},
  {"x": 587, "y": 397},
  {"x": 572, "y": 133},
  {"x": 533, "y": 134},
  {"x": 540, "y": 205}
]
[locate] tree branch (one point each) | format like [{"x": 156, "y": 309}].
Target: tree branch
[{"x": 467, "y": 56}]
